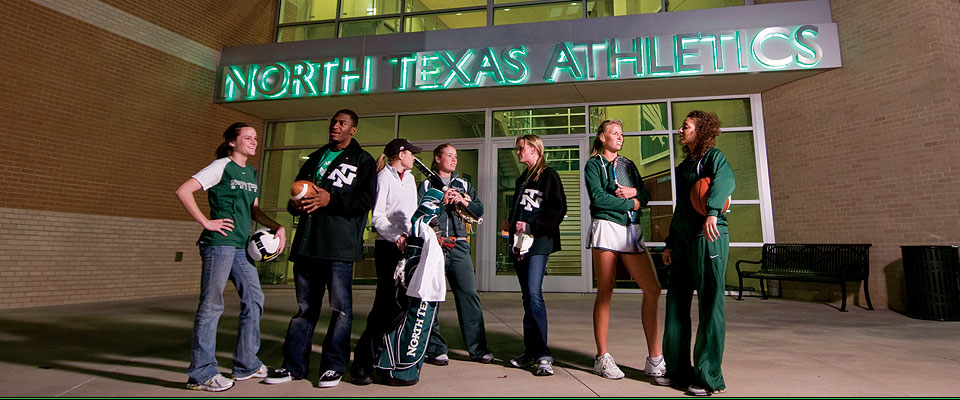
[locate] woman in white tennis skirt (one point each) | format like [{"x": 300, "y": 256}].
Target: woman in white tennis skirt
[{"x": 616, "y": 195}]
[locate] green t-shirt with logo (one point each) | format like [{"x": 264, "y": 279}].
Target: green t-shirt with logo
[
  {"x": 231, "y": 191},
  {"x": 325, "y": 161}
]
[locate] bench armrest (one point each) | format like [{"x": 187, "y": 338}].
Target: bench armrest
[{"x": 748, "y": 262}]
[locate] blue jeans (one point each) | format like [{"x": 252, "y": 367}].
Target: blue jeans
[
  {"x": 219, "y": 264},
  {"x": 311, "y": 278},
  {"x": 530, "y": 272}
]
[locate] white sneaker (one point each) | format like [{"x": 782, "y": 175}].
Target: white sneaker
[
  {"x": 544, "y": 368},
  {"x": 606, "y": 367},
  {"x": 652, "y": 369},
  {"x": 259, "y": 373},
  {"x": 695, "y": 390},
  {"x": 218, "y": 383}
]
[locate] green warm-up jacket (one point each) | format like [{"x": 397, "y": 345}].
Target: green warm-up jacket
[
  {"x": 601, "y": 186},
  {"x": 687, "y": 222}
]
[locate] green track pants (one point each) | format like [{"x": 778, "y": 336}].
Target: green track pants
[
  {"x": 697, "y": 265},
  {"x": 460, "y": 275}
]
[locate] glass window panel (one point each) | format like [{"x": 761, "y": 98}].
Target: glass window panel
[
  {"x": 609, "y": 8},
  {"x": 365, "y": 8},
  {"x": 743, "y": 253},
  {"x": 299, "y": 133},
  {"x": 306, "y": 32},
  {"x": 745, "y": 223},
  {"x": 316, "y": 133},
  {"x": 655, "y": 221},
  {"x": 635, "y": 117},
  {"x": 541, "y": 121},
  {"x": 278, "y": 171},
  {"x": 651, "y": 154},
  {"x": 565, "y": 160},
  {"x": 468, "y": 162},
  {"x": 374, "y": 130},
  {"x": 370, "y": 27},
  {"x": 680, "y": 5},
  {"x": 442, "y": 126},
  {"x": 732, "y": 113},
  {"x": 431, "y": 5},
  {"x": 437, "y": 22},
  {"x": 307, "y": 10},
  {"x": 538, "y": 13},
  {"x": 737, "y": 148}
]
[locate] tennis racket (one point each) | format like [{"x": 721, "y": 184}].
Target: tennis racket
[{"x": 625, "y": 173}]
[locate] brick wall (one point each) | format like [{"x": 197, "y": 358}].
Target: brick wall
[
  {"x": 100, "y": 128},
  {"x": 60, "y": 258},
  {"x": 868, "y": 153}
]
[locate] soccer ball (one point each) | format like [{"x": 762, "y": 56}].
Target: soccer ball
[{"x": 263, "y": 246}]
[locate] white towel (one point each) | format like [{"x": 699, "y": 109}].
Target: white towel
[{"x": 429, "y": 281}]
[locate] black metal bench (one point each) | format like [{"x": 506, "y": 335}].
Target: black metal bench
[{"x": 826, "y": 263}]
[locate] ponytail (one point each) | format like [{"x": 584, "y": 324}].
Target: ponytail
[
  {"x": 383, "y": 160},
  {"x": 230, "y": 135}
]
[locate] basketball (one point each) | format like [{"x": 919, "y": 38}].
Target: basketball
[
  {"x": 263, "y": 246},
  {"x": 698, "y": 196},
  {"x": 301, "y": 189}
]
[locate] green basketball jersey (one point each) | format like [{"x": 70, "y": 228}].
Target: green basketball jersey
[{"x": 231, "y": 191}]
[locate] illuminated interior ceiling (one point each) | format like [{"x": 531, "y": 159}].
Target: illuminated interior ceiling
[{"x": 521, "y": 96}]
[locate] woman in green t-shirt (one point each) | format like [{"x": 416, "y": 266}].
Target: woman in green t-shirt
[{"x": 231, "y": 187}]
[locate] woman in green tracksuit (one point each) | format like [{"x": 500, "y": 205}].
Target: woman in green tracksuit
[
  {"x": 459, "y": 266},
  {"x": 696, "y": 251}
]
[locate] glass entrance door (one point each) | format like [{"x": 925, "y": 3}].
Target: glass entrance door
[{"x": 565, "y": 268}]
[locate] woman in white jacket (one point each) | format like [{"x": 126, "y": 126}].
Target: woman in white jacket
[{"x": 395, "y": 204}]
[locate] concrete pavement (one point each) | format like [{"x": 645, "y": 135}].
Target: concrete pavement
[{"x": 774, "y": 348}]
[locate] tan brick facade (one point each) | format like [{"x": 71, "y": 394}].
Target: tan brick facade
[
  {"x": 99, "y": 130},
  {"x": 868, "y": 153}
]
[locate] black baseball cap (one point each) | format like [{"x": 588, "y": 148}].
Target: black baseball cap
[{"x": 397, "y": 145}]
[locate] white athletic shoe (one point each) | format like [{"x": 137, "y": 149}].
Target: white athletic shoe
[
  {"x": 259, "y": 373},
  {"x": 652, "y": 369},
  {"x": 218, "y": 383},
  {"x": 606, "y": 367}
]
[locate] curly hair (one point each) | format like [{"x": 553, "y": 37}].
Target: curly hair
[{"x": 708, "y": 128}]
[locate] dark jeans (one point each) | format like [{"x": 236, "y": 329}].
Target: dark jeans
[
  {"x": 386, "y": 309},
  {"x": 530, "y": 272},
  {"x": 461, "y": 276},
  {"x": 311, "y": 278}
]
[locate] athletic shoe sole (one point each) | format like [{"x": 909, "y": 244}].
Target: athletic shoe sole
[
  {"x": 329, "y": 384},
  {"x": 274, "y": 381}
]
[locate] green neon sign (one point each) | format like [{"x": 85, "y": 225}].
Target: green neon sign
[{"x": 687, "y": 54}]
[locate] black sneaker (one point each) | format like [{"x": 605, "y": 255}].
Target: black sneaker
[
  {"x": 330, "y": 378},
  {"x": 522, "y": 361},
  {"x": 278, "y": 375},
  {"x": 400, "y": 382},
  {"x": 360, "y": 378}
]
